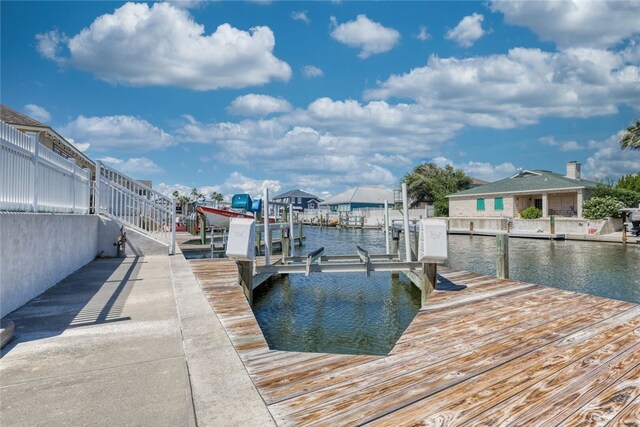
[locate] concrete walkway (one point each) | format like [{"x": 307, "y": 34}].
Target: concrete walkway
[{"x": 125, "y": 342}]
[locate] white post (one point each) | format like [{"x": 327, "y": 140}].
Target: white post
[
  {"x": 73, "y": 185},
  {"x": 265, "y": 219},
  {"x": 405, "y": 212},
  {"x": 173, "y": 228},
  {"x": 36, "y": 163},
  {"x": 386, "y": 226},
  {"x": 96, "y": 193},
  {"x": 292, "y": 240}
]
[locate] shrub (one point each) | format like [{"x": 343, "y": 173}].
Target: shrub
[
  {"x": 601, "y": 208},
  {"x": 531, "y": 213}
]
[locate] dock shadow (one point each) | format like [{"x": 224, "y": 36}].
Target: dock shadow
[
  {"x": 444, "y": 284},
  {"x": 89, "y": 296}
]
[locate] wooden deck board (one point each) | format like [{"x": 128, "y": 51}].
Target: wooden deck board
[{"x": 494, "y": 352}]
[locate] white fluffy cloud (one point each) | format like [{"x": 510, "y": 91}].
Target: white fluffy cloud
[
  {"x": 574, "y": 22},
  {"x": 364, "y": 34},
  {"x": 562, "y": 145},
  {"x": 504, "y": 91},
  {"x": 311, "y": 71},
  {"x": 467, "y": 31},
  {"x": 117, "y": 133},
  {"x": 423, "y": 34},
  {"x": 610, "y": 161},
  {"x": 37, "y": 112},
  {"x": 258, "y": 105},
  {"x": 300, "y": 16},
  {"x": 162, "y": 45},
  {"x": 341, "y": 142},
  {"x": 481, "y": 170},
  {"x": 136, "y": 167},
  {"x": 238, "y": 183}
]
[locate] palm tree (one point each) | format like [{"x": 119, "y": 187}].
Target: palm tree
[
  {"x": 194, "y": 193},
  {"x": 216, "y": 197},
  {"x": 630, "y": 139}
]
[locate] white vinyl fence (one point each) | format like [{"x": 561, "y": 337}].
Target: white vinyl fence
[
  {"x": 34, "y": 178},
  {"x": 135, "y": 205}
]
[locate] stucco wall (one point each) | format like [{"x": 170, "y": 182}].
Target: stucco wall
[
  {"x": 461, "y": 207},
  {"x": 39, "y": 250}
]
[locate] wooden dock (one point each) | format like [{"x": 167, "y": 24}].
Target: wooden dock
[{"x": 497, "y": 352}]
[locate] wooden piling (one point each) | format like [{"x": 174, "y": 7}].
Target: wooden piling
[
  {"x": 502, "y": 255},
  {"x": 245, "y": 278},
  {"x": 552, "y": 224},
  {"x": 428, "y": 281},
  {"x": 299, "y": 233}
]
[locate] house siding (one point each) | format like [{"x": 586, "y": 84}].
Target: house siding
[{"x": 461, "y": 207}]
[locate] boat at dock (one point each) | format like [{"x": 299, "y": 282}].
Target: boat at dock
[{"x": 221, "y": 217}]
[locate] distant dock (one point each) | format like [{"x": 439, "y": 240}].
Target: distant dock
[{"x": 496, "y": 352}]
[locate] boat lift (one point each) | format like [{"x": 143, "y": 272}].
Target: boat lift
[{"x": 432, "y": 249}]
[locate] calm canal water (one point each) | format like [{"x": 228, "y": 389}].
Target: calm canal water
[{"x": 350, "y": 313}]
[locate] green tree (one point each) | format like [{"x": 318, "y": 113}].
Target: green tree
[
  {"x": 176, "y": 194},
  {"x": 629, "y": 182},
  {"x": 628, "y": 198},
  {"x": 630, "y": 139},
  {"x": 430, "y": 183},
  {"x": 194, "y": 193}
]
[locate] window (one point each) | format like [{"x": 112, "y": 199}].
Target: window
[
  {"x": 538, "y": 203},
  {"x": 479, "y": 204},
  {"x": 498, "y": 204}
]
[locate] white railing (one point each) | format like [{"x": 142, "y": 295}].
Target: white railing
[
  {"x": 135, "y": 205},
  {"x": 33, "y": 178}
]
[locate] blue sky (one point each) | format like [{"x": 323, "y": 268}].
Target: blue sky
[{"x": 323, "y": 96}]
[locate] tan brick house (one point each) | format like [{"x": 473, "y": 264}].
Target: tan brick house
[{"x": 553, "y": 193}]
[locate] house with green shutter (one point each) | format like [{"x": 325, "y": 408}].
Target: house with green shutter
[{"x": 552, "y": 193}]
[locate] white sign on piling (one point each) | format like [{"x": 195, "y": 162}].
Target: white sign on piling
[{"x": 433, "y": 242}]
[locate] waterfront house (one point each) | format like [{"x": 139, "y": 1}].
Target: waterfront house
[
  {"x": 552, "y": 193},
  {"x": 300, "y": 200},
  {"x": 47, "y": 137},
  {"x": 358, "y": 198}
]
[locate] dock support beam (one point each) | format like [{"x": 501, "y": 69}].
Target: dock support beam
[
  {"x": 245, "y": 279},
  {"x": 427, "y": 282},
  {"x": 502, "y": 255}
]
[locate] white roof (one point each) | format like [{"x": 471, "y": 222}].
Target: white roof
[{"x": 361, "y": 195}]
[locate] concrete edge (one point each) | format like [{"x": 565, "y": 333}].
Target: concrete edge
[{"x": 222, "y": 390}]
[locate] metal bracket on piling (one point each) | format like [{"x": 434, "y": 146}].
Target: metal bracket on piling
[
  {"x": 313, "y": 257},
  {"x": 364, "y": 257}
]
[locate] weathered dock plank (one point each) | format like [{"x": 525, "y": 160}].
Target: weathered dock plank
[{"x": 493, "y": 352}]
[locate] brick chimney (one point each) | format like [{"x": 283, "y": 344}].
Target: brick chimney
[{"x": 573, "y": 170}]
